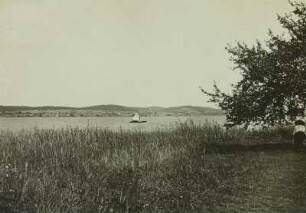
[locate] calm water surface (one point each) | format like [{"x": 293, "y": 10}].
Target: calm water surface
[{"x": 111, "y": 123}]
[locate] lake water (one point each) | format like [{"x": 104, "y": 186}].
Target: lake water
[{"x": 111, "y": 123}]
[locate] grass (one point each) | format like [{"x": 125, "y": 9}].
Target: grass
[{"x": 190, "y": 168}]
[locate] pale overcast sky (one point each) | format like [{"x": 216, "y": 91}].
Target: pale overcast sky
[{"x": 127, "y": 52}]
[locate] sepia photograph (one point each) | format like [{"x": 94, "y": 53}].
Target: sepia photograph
[{"x": 152, "y": 106}]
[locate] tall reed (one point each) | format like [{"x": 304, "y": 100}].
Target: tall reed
[{"x": 97, "y": 170}]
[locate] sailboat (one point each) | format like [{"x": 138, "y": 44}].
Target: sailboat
[{"x": 136, "y": 119}]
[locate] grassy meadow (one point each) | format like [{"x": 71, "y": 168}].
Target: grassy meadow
[{"x": 195, "y": 168}]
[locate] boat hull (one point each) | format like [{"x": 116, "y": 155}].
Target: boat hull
[{"x": 137, "y": 122}]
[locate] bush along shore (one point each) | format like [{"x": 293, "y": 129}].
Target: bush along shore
[{"x": 190, "y": 168}]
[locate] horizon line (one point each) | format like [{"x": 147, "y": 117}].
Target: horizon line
[{"x": 86, "y": 106}]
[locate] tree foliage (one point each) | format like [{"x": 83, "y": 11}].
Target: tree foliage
[{"x": 273, "y": 85}]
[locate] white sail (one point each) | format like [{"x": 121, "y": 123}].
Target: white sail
[{"x": 136, "y": 117}]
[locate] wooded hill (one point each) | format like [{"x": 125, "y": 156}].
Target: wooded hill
[{"x": 105, "y": 110}]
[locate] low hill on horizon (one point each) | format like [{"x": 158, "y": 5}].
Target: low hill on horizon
[{"x": 105, "y": 110}]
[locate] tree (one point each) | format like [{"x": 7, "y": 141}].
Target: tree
[{"x": 273, "y": 85}]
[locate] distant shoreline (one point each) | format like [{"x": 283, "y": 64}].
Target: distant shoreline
[{"x": 106, "y": 111}]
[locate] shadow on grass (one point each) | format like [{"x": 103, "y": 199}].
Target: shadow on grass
[{"x": 268, "y": 147}]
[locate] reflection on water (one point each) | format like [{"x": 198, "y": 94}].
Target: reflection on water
[{"x": 111, "y": 123}]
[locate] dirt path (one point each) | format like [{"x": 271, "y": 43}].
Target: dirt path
[{"x": 279, "y": 183}]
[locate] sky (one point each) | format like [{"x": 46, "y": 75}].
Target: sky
[{"x": 125, "y": 52}]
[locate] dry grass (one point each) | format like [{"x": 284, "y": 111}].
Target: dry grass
[{"x": 191, "y": 168}]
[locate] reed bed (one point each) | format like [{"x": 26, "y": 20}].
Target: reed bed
[{"x": 97, "y": 170}]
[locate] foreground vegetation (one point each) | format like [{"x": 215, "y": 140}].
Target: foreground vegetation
[{"x": 191, "y": 168}]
